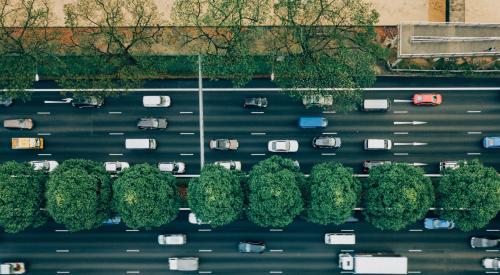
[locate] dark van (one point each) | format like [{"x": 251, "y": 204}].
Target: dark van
[{"x": 313, "y": 122}]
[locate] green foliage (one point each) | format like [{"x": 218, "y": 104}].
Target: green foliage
[
  {"x": 333, "y": 194},
  {"x": 216, "y": 196},
  {"x": 145, "y": 197},
  {"x": 274, "y": 198},
  {"x": 396, "y": 195},
  {"x": 21, "y": 197},
  {"x": 473, "y": 187},
  {"x": 17, "y": 73},
  {"x": 79, "y": 194}
]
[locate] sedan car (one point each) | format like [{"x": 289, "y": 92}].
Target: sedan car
[
  {"x": 317, "y": 100},
  {"x": 491, "y": 142},
  {"x": 255, "y": 102},
  {"x": 88, "y": 102},
  {"x": 370, "y": 164},
  {"x": 481, "y": 242},
  {"x": 326, "y": 142},
  {"x": 156, "y": 101},
  {"x": 230, "y": 164},
  {"x": 116, "y": 167},
  {"x": 251, "y": 247},
  {"x": 449, "y": 164},
  {"x": 491, "y": 263},
  {"x": 224, "y": 144},
  {"x": 172, "y": 239},
  {"x": 152, "y": 123},
  {"x": 427, "y": 99},
  {"x": 44, "y": 165},
  {"x": 20, "y": 123},
  {"x": 436, "y": 223},
  {"x": 283, "y": 146},
  {"x": 172, "y": 167}
]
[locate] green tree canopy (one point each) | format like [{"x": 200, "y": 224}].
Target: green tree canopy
[
  {"x": 146, "y": 197},
  {"x": 79, "y": 194},
  {"x": 216, "y": 196},
  {"x": 274, "y": 198},
  {"x": 317, "y": 48},
  {"x": 21, "y": 197},
  {"x": 473, "y": 188},
  {"x": 397, "y": 195},
  {"x": 333, "y": 194}
]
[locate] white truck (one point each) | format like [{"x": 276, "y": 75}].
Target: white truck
[
  {"x": 373, "y": 263},
  {"x": 12, "y": 268},
  {"x": 183, "y": 264}
]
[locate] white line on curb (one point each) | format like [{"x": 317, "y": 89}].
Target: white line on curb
[
  {"x": 347, "y": 230},
  {"x": 401, "y": 154},
  {"x": 346, "y": 250},
  {"x": 275, "y": 230},
  {"x": 275, "y": 272},
  {"x": 256, "y": 113},
  {"x": 414, "y": 272},
  {"x": 329, "y": 112},
  {"x": 416, "y": 230},
  {"x": 62, "y": 272},
  {"x": 133, "y": 272},
  {"x": 61, "y": 230},
  {"x": 492, "y": 230},
  {"x": 414, "y": 250},
  {"x": 204, "y": 272},
  {"x": 491, "y": 250},
  {"x": 276, "y": 250},
  {"x": 329, "y": 133},
  {"x": 131, "y": 230}
]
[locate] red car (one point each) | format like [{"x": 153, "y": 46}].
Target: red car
[{"x": 427, "y": 99}]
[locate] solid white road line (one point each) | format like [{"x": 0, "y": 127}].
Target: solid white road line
[
  {"x": 205, "y": 230},
  {"x": 43, "y": 134},
  {"x": 492, "y": 272},
  {"x": 201, "y": 115},
  {"x": 186, "y": 113},
  {"x": 133, "y": 250},
  {"x": 473, "y": 154},
  {"x": 45, "y": 154},
  {"x": 186, "y": 154},
  {"x": 186, "y": 133},
  {"x": 257, "y": 154},
  {"x": 43, "y": 113},
  {"x": 62, "y": 251},
  {"x": 115, "y": 154},
  {"x": 115, "y": 134},
  {"x": 473, "y": 112},
  {"x": 474, "y": 133},
  {"x": 414, "y": 272},
  {"x": 258, "y": 134},
  {"x": 115, "y": 113},
  {"x": 400, "y": 112},
  {"x": 401, "y": 133}
]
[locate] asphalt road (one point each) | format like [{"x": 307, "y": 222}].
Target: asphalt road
[
  {"x": 451, "y": 131},
  {"x": 297, "y": 249}
]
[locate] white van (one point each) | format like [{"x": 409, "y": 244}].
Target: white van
[
  {"x": 340, "y": 238},
  {"x": 140, "y": 143},
  {"x": 378, "y": 144},
  {"x": 376, "y": 105}
]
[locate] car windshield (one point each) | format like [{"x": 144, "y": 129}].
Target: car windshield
[
  {"x": 281, "y": 145},
  {"x": 221, "y": 143}
]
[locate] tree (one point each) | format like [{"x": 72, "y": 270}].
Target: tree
[
  {"x": 146, "y": 197},
  {"x": 396, "y": 195},
  {"x": 79, "y": 194},
  {"x": 325, "y": 44},
  {"x": 274, "y": 198},
  {"x": 109, "y": 37},
  {"x": 225, "y": 33},
  {"x": 216, "y": 196},
  {"x": 21, "y": 197},
  {"x": 469, "y": 195},
  {"x": 333, "y": 194},
  {"x": 25, "y": 42}
]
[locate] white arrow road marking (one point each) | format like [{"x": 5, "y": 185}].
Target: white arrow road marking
[
  {"x": 410, "y": 143},
  {"x": 409, "y": 122}
]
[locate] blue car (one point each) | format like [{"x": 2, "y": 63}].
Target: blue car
[
  {"x": 491, "y": 142},
  {"x": 436, "y": 223}
]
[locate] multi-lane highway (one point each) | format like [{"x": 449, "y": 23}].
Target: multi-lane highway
[
  {"x": 297, "y": 249},
  {"x": 423, "y": 136}
]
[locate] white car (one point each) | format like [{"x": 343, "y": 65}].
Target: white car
[
  {"x": 116, "y": 167},
  {"x": 230, "y": 164},
  {"x": 194, "y": 220},
  {"x": 317, "y": 100},
  {"x": 283, "y": 146},
  {"x": 172, "y": 167},
  {"x": 172, "y": 239},
  {"x": 156, "y": 101},
  {"x": 44, "y": 165},
  {"x": 491, "y": 263}
]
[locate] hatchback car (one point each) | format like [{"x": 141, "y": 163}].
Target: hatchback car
[
  {"x": 427, "y": 99},
  {"x": 152, "y": 123},
  {"x": 156, "y": 101},
  {"x": 370, "y": 164},
  {"x": 172, "y": 167},
  {"x": 436, "y": 223},
  {"x": 230, "y": 164},
  {"x": 251, "y": 247},
  {"x": 255, "y": 102},
  {"x": 88, "y": 102},
  {"x": 224, "y": 144},
  {"x": 491, "y": 142},
  {"x": 116, "y": 167},
  {"x": 283, "y": 146},
  {"x": 491, "y": 263},
  {"x": 481, "y": 242},
  {"x": 194, "y": 220},
  {"x": 172, "y": 239},
  {"x": 326, "y": 142},
  {"x": 44, "y": 165},
  {"x": 20, "y": 123}
]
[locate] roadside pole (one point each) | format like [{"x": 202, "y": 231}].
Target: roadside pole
[{"x": 200, "y": 100}]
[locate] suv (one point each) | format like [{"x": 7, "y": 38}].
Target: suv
[
  {"x": 88, "y": 102},
  {"x": 370, "y": 164},
  {"x": 326, "y": 142},
  {"x": 151, "y": 123},
  {"x": 156, "y": 101},
  {"x": 378, "y": 144}
]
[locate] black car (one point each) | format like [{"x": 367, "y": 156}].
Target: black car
[
  {"x": 251, "y": 247},
  {"x": 326, "y": 142},
  {"x": 88, "y": 102},
  {"x": 255, "y": 102},
  {"x": 152, "y": 123}
]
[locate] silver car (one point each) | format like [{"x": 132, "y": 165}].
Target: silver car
[
  {"x": 481, "y": 242},
  {"x": 152, "y": 123},
  {"x": 283, "y": 146},
  {"x": 326, "y": 142},
  {"x": 172, "y": 167}
]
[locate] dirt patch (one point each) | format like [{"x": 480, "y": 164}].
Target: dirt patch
[{"x": 437, "y": 10}]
